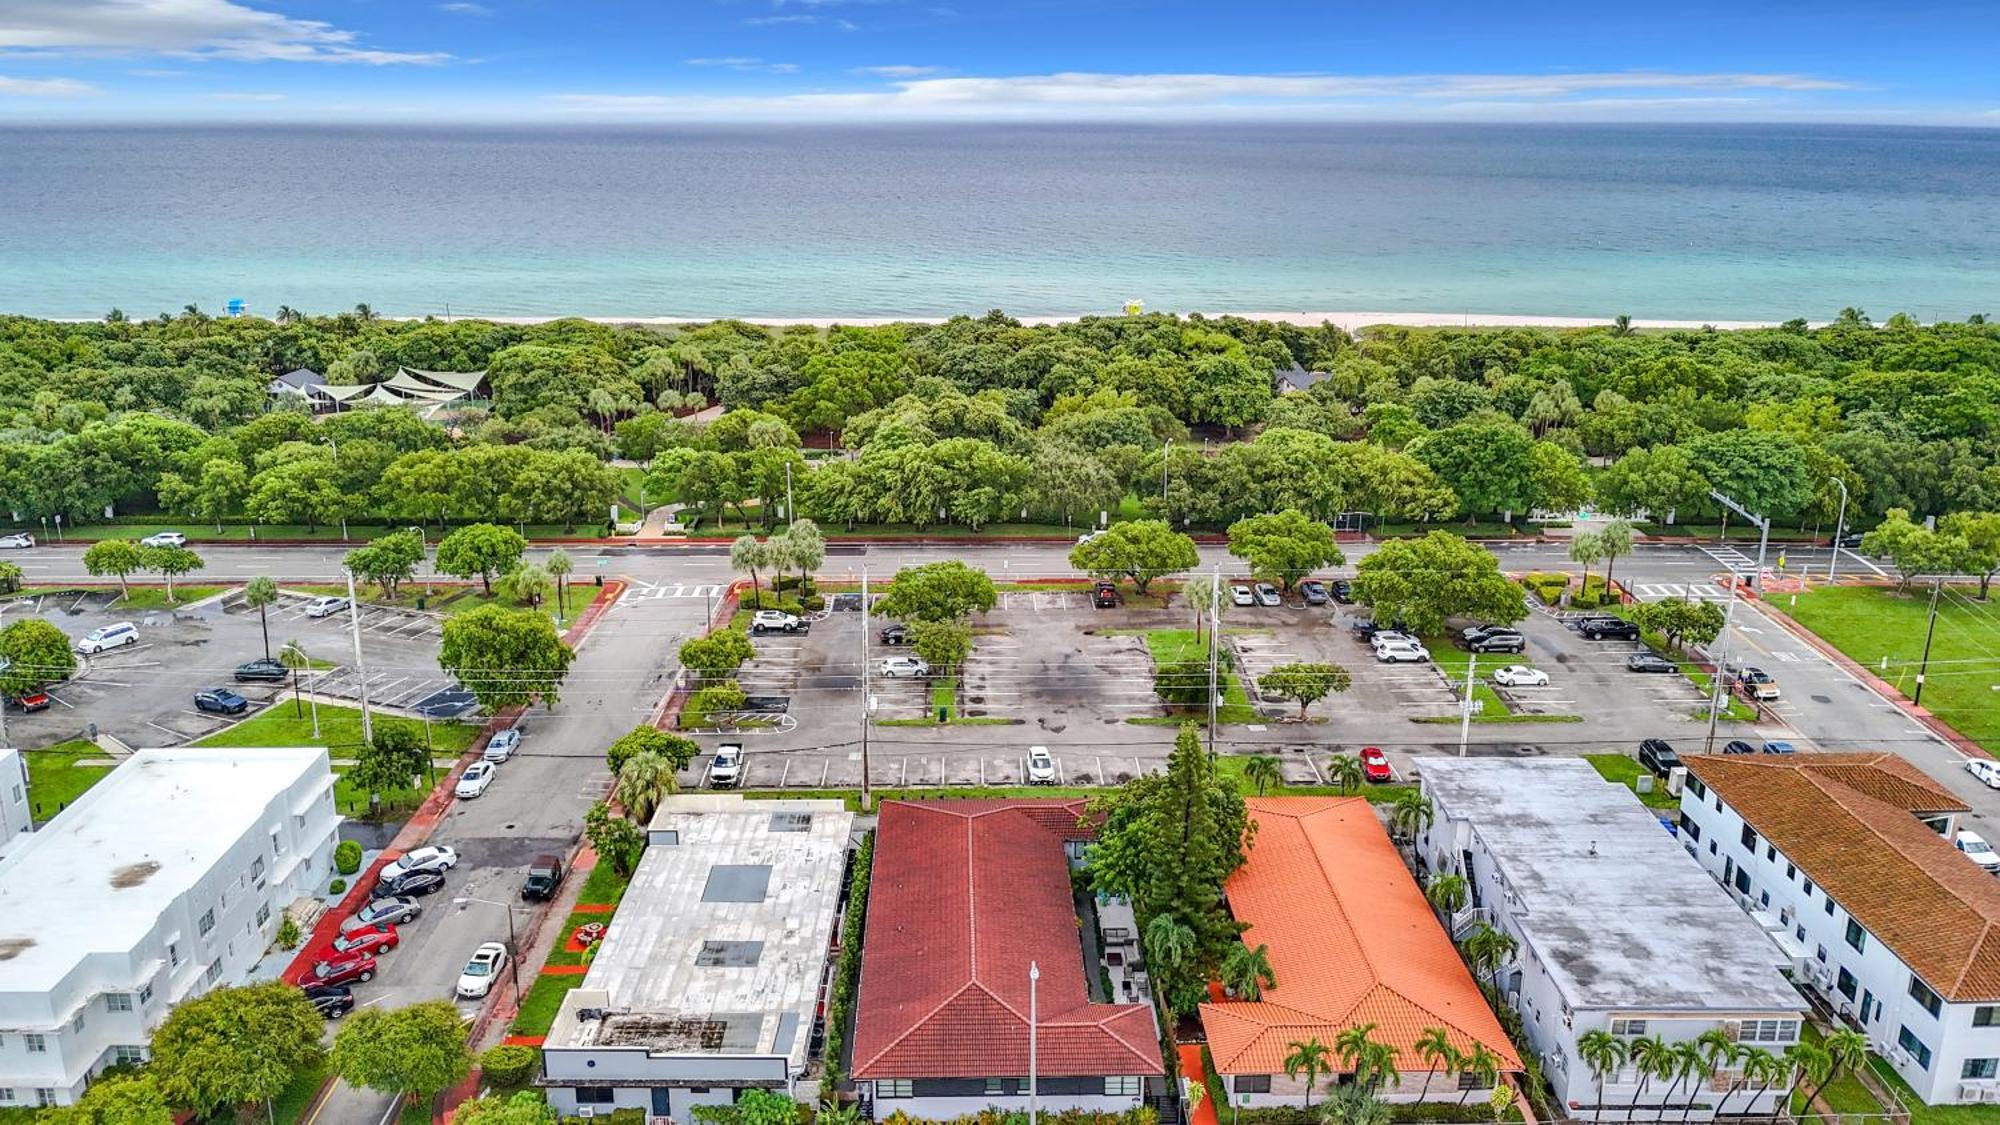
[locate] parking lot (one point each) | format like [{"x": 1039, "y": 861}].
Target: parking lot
[{"x": 142, "y": 694}]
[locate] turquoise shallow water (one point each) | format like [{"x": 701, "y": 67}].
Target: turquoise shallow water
[{"x": 1686, "y": 222}]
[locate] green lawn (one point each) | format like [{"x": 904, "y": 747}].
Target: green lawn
[
  {"x": 603, "y": 887},
  {"x": 1884, "y": 632},
  {"x": 356, "y": 532},
  {"x": 1921, "y": 1114},
  {"x": 340, "y": 727},
  {"x": 449, "y": 599},
  {"x": 1170, "y": 645},
  {"x": 155, "y": 597},
  {"x": 54, "y": 778},
  {"x": 545, "y": 997},
  {"x": 1846, "y": 1094},
  {"x": 630, "y": 479},
  {"x": 1452, "y": 661},
  {"x": 1621, "y": 770}
]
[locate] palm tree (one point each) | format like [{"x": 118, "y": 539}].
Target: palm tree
[
  {"x": 1483, "y": 1065},
  {"x": 1654, "y": 1058},
  {"x": 1768, "y": 1070},
  {"x": 1807, "y": 1062},
  {"x": 1446, "y": 891},
  {"x": 1344, "y": 770},
  {"x": 559, "y": 564},
  {"x": 1621, "y": 325},
  {"x": 750, "y": 555},
  {"x": 1246, "y": 972},
  {"x": 1261, "y": 770},
  {"x": 293, "y": 656},
  {"x": 1352, "y": 1045},
  {"x": 1753, "y": 1064},
  {"x": 1379, "y": 1062},
  {"x": 1845, "y": 1049},
  {"x": 1168, "y": 941},
  {"x": 646, "y": 779},
  {"x": 1687, "y": 1062},
  {"x": 1487, "y": 949},
  {"x": 805, "y": 548},
  {"x": 1411, "y": 813},
  {"x": 1717, "y": 1052},
  {"x": 1309, "y": 1058},
  {"x": 1198, "y": 592},
  {"x": 287, "y": 314},
  {"x": 1603, "y": 1053},
  {"x": 1435, "y": 1048},
  {"x": 261, "y": 592},
  {"x": 1613, "y": 540},
  {"x": 364, "y": 311},
  {"x": 833, "y": 1111},
  {"x": 1586, "y": 547}
]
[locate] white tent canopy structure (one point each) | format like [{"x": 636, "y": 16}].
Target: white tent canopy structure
[{"x": 407, "y": 387}]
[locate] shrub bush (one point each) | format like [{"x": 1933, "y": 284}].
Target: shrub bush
[
  {"x": 338, "y": 886},
  {"x": 704, "y": 706},
  {"x": 1548, "y": 588},
  {"x": 846, "y": 976},
  {"x": 765, "y": 599},
  {"x": 347, "y": 857},
  {"x": 509, "y": 1065},
  {"x": 288, "y": 933}
]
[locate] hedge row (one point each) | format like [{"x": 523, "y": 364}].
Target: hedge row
[{"x": 847, "y": 976}]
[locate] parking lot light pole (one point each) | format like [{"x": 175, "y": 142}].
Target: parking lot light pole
[
  {"x": 864, "y": 689},
  {"x": 1839, "y": 528},
  {"x": 1214, "y": 647},
  {"x": 1465, "y": 712},
  {"x": 513, "y": 945},
  {"x": 1716, "y": 678},
  {"x": 360, "y": 668}
]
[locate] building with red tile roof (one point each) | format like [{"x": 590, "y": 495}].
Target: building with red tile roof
[
  {"x": 1351, "y": 940},
  {"x": 964, "y": 897}
]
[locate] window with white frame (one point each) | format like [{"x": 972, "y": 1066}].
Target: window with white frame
[
  {"x": 1121, "y": 1086},
  {"x": 1768, "y": 1031},
  {"x": 213, "y": 974},
  {"x": 893, "y": 1088},
  {"x": 1856, "y": 936},
  {"x": 44, "y": 1097},
  {"x": 1924, "y": 995},
  {"x": 205, "y": 923},
  {"x": 263, "y": 912},
  {"x": 1979, "y": 1068},
  {"x": 146, "y": 993},
  {"x": 6, "y": 1095},
  {"x": 117, "y": 1001},
  {"x": 127, "y": 1056},
  {"x": 1908, "y": 1041},
  {"x": 36, "y": 1043},
  {"x": 174, "y": 954},
  {"x": 1986, "y": 1015},
  {"x": 1628, "y": 1027}
]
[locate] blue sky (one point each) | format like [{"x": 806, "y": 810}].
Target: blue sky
[{"x": 530, "y": 61}]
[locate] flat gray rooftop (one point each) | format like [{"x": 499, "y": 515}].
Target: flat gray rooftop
[
  {"x": 1618, "y": 914},
  {"x": 721, "y": 941}
]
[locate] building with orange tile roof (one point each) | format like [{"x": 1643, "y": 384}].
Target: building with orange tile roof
[
  {"x": 1616, "y": 930},
  {"x": 1351, "y": 940},
  {"x": 1853, "y": 857}
]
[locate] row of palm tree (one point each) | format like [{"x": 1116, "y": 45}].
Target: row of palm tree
[
  {"x": 1374, "y": 1064},
  {"x": 1697, "y": 1060},
  {"x": 799, "y": 547}
]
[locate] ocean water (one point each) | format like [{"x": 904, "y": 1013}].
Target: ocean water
[{"x": 1683, "y": 222}]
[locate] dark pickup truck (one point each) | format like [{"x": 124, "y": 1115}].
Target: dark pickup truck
[
  {"x": 1599, "y": 628},
  {"x": 545, "y": 874}
]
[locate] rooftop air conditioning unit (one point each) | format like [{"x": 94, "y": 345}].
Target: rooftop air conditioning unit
[{"x": 586, "y": 1111}]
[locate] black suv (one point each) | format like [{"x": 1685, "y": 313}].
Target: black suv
[
  {"x": 895, "y": 634},
  {"x": 545, "y": 874},
  {"x": 1495, "y": 638},
  {"x": 1599, "y": 628},
  {"x": 1104, "y": 596},
  {"x": 1657, "y": 756}
]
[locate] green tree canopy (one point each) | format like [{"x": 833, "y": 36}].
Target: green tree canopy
[
  {"x": 35, "y": 652},
  {"x": 388, "y": 560},
  {"x": 718, "y": 655},
  {"x": 114, "y": 1099},
  {"x": 505, "y": 657},
  {"x": 390, "y": 760},
  {"x": 1679, "y": 620},
  {"x": 1141, "y": 550},
  {"x": 650, "y": 740},
  {"x": 235, "y": 1046},
  {"x": 526, "y": 1107},
  {"x": 118, "y": 557},
  {"x": 943, "y": 644},
  {"x": 1420, "y": 583},
  {"x": 616, "y": 840},
  {"x": 480, "y": 550},
  {"x": 1304, "y": 683},
  {"x": 1285, "y": 546},
  {"x": 939, "y": 591},
  {"x": 416, "y": 1051}
]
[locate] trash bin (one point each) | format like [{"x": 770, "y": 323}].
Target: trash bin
[
  {"x": 420, "y": 601},
  {"x": 942, "y": 715},
  {"x": 600, "y": 580}
]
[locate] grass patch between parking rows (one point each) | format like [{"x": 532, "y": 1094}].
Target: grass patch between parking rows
[
  {"x": 284, "y": 724},
  {"x": 1170, "y": 646},
  {"x": 1621, "y": 770}
]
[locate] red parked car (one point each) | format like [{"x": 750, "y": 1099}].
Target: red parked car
[
  {"x": 1375, "y": 765},
  {"x": 376, "y": 939},
  {"x": 343, "y": 968}
]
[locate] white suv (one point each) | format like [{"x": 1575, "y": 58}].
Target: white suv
[
  {"x": 110, "y": 636},
  {"x": 727, "y": 768},
  {"x": 772, "y": 621},
  {"x": 164, "y": 539},
  {"x": 897, "y": 666},
  {"x": 1402, "y": 652}
]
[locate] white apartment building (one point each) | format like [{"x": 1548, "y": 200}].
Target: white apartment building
[
  {"x": 165, "y": 880},
  {"x": 712, "y": 975},
  {"x": 15, "y": 817},
  {"x": 1848, "y": 860},
  {"x": 1616, "y": 931}
]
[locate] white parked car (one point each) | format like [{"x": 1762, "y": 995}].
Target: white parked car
[
  {"x": 1041, "y": 766},
  {"x": 164, "y": 539},
  {"x": 1402, "y": 652},
  {"x": 1267, "y": 595},
  {"x": 898, "y": 666},
  {"x": 17, "y": 539},
  {"x": 772, "y": 621},
  {"x": 1979, "y": 851},
  {"x": 325, "y": 606},
  {"x": 108, "y": 636},
  {"x": 1520, "y": 675},
  {"x": 474, "y": 780},
  {"x": 501, "y": 746},
  {"x": 1986, "y": 770},
  {"x": 488, "y": 962},
  {"x": 431, "y": 857},
  {"x": 1391, "y": 637},
  {"x": 1088, "y": 536},
  {"x": 1241, "y": 595},
  {"x": 727, "y": 768}
]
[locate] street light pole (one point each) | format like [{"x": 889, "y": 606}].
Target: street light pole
[
  {"x": 1763, "y": 524},
  {"x": 1214, "y": 648},
  {"x": 513, "y": 944},
  {"x": 1465, "y": 716},
  {"x": 360, "y": 668},
  {"x": 1715, "y": 678},
  {"x": 1839, "y": 528},
  {"x": 1034, "y": 977}
]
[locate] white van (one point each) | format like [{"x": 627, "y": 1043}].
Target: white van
[{"x": 110, "y": 636}]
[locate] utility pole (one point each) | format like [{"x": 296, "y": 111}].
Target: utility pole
[
  {"x": 1716, "y": 679},
  {"x": 1465, "y": 713},
  {"x": 1763, "y": 539},
  {"x": 1839, "y": 528},
  {"x": 1930, "y": 630},
  {"x": 866, "y": 698},
  {"x": 1214, "y": 649},
  {"x": 360, "y": 668},
  {"x": 790, "y": 512},
  {"x": 1034, "y": 977}
]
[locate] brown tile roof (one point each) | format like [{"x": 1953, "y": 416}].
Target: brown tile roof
[
  {"x": 1351, "y": 939},
  {"x": 1848, "y": 821},
  {"x": 963, "y": 896}
]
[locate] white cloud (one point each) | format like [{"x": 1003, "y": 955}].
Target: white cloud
[
  {"x": 896, "y": 71},
  {"x": 242, "y": 96},
  {"x": 462, "y": 8},
  {"x": 45, "y": 88},
  {"x": 740, "y": 62},
  {"x": 1123, "y": 96},
  {"x": 221, "y": 29}
]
